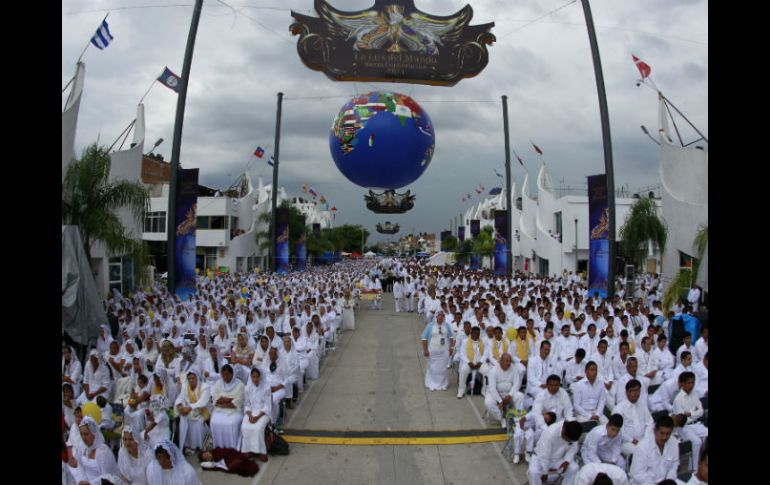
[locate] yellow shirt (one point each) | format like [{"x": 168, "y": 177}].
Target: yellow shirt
[{"x": 522, "y": 348}]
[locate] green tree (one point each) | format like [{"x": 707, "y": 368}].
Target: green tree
[
  {"x": 90, "y": 201},
  {"x": 450, "y": 244},
  {"x": 643, "y": 224},
  {"x": 464, "y": 252},
  {"x": 682, "y": 282},
  {"x": 484, "y": 244}
]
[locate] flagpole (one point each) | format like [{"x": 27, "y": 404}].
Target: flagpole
[
  {"x": 148, "y": 89},
  {"x": 274, "y": 190},
  {"x": 607, "y": 142},
  {"x": 509, "y": 215},
  {"x": 177, "y": 146},
  {"x": 89, "y": 40}
]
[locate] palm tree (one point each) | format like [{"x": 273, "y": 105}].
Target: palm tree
[
  {"x": 90, "y": 199},
  {"x": 484, "y": 245},
  {"x": 643, "y": 225},
  {"x": 682, "y": 281}
]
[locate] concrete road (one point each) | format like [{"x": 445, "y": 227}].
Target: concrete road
[{"x": 374, "y": 381}]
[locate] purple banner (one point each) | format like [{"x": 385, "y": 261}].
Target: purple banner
[
  {"x": 501, "y": 242},
  {"x": 186, "y": 212},
  {"x": 598, "y": 237}
]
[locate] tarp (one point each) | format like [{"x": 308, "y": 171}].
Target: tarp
[{"x": 81, "y": 307}]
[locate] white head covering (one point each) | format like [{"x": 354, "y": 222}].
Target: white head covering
[
  {"x": 93, "y": 427},
  {"x": 182, "y": 472},
  {"x": 228, "y": 386},
  {"x": 125, "y": 460}
]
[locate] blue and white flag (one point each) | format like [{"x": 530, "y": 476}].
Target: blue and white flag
[
  {"x": 102, "y": 37},
  {"x": 170, "y": 80},
  {"x": 271, "y": 161}
]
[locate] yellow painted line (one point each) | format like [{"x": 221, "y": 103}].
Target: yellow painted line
[{"x": 448, "y": 440}]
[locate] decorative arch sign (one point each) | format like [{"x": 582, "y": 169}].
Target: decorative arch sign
[{"x": 392, "y": 41}]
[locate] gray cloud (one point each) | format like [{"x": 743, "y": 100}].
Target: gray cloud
[{"x": 545, "y": 69}]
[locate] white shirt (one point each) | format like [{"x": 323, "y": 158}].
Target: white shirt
[
  {"x": 663, "y": 398},
  {"x": 699, "y": 350},
  {"x": 588, "y": 399},
  {"x": 598, "y": 447},
  {"x": 690, "y": 403},
  {"x": 649, "y": 465},
  {"x": 537, "y": 372},
  {"x": 552, "y": 450},
  {"x": 503, "y": 382},
  {"x": 637, "y": 420},
  {"x": 558, "y": 403}
]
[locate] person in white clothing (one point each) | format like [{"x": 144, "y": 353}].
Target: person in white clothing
[
  {"x": 663, "y": 358},
  {"x": 503, "y": 389},
  {"x": 637, "y": 420},
  {"x": 701, "y": 371},
  {"x": 601, "y": 474},
  {"x": 192, "y": 406},
  {"x": 604, "y": 444},
  {"x": 688, "y": 404},
  {"x": 656, "y": 458},
  {"x": 693, "y": 297},
  {"x": 701, "y": 347},
  {"x": 398, "y": 294},
  {"x": 538, "y": 370},
  {"x": 555, "y": 454},
  {"x": 471, "y": 359},
  {"x": 257, "y": 407},
  {"x": 589, "y": 396},
  {"x": 437, "y": 344},
  {"x": 227, "y": 395},
  {"x": 663, "y": 398}
]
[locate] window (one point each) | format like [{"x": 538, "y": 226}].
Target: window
[
  {"x": 685, "y": 260},
  {"x": 218, "y": 222},
  {"x": 202, "y": 222},
  {"x": 558, "y": 223},
  {"x": 155, "y": 222}
]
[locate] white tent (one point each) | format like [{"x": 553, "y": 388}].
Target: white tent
[{"x": 369, "y": 255}]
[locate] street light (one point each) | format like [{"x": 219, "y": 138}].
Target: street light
[
  {"x": 576, "y": 261},
  {"x": 160, "y": 140}
]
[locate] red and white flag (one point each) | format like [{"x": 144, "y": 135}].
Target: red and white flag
[{"x": 644, "y": 68}]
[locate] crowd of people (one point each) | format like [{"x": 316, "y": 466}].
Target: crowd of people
[
  {"x": 206, "y": 374},
  {"x": 554, "y": 362},
  {"x": 587, "y": 387}
]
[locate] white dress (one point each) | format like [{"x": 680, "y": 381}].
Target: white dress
[
  {"x": 192, "y": 428},
  {"x": 437, "y": 374},
  {"x": 348, "y": 316},
  {"x": 258, "y": 399},
  {"x": 226, "y": 422}
]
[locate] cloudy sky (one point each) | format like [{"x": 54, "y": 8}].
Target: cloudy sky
[{"x": 244, "y": 55}]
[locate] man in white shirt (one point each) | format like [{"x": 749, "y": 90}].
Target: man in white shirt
[
  {"x": 471, "y": 357},
  {"x": 663, "y": 398},
  {"x": 701, "y": 371},
  {"x": 701, "y": 475},
  {"x": 398, "y": 294},
  {"x": 603, "y": 444},
  {"x": 590, "y": 341},
  {"x": 632, "y": 372},
  {"x": 693, "y": 296},
  {"x": 601, "y": 474},
  {"x": 588, "y": 396},
  {"x": 688, "y": 404},
  {"x": 566, "y": 345},
  {"x": 555, "y": 453},
  {"x": 503, "y": 390},
  {"x": 657, "y": 456},
  {"x": 538, "y": 370},
  {"x": 701, "y": 347},
  {"x": 554, "y": 399},
  {"x": 637, "y": 421}
]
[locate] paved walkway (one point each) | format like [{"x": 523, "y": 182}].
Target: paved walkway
[{"x": 374, "y": 382}]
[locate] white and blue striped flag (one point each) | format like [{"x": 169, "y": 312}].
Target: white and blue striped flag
[
  {"x": 271, "y": 161},
  {"x": 102, "y": 37}
]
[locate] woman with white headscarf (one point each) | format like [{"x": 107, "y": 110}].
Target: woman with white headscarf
[
  {"x": 169, "y": 467},
  {"x": 171, "y": 363},
  {"x": 96, "y": 459},
  {"x": 104, "y": 339},
  {"x": 222, "y": 340},
  {"x": 96, "y": 378},
  {"x": 228, "y": 396},
  {"x": 313, "y": 343},
  {"x": 71, "y": 370},
  {"x": 134, "y": 457},
  {"x": 291, "y": 360},
  {"x": 192, "y": 407},
  {"x": 212, "y": 366},
  {"x": 257, "y": 409}
]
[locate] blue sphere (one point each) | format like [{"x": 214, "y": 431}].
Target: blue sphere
[{"x": 382, "y": 140}]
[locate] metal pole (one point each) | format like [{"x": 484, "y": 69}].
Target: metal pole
[
  {"x": 576, "y": 246},
  {"x": 180, "y": 105},
  {"x": 509, "y": 217},
  {"x": 275, "y": 182},
  {"x": 607, "y": 145}
]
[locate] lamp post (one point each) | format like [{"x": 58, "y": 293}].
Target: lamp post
[
  {"x": 607, "y": 142},
  {"x": 157, "y": 143},
  {"x": 576, "y": 262}
]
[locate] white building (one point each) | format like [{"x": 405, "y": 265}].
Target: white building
[
  {"x": 548, "y": 234},
  {"x": 227, "y": 227}
]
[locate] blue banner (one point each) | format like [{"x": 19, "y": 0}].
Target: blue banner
[
  {"x": 461, "y": 233},
  {"x": 444, "y": 236},
  {"x": 474, "y": 261},
  {"x": 301, "y": 249},
  {"x": 186, "y": 213},
  {"x": 501, "y": 242},
  {"x": 282, "y": 240},
  {"x": 475, "y": 228},
  {"x": 598, "y": 225}
]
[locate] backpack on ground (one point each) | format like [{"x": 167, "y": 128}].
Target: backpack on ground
[{"x": 274, "y": 442}]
